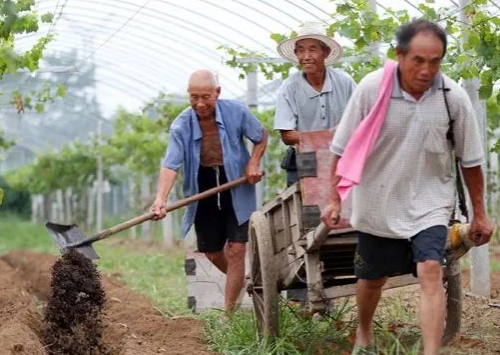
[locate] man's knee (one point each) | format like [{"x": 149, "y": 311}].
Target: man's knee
[
  {"x": 430, "y": 273},
  {"x": 429, "y": 270},
  {"x": 374, "y": 284}
]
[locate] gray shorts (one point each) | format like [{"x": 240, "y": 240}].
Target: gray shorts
[{"x": 377, "y": 257}]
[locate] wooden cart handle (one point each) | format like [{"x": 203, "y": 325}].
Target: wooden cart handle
[{"x": 318, "y": 238}]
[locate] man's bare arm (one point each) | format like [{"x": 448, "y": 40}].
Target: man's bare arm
[
  {"x": 166, "y": 180},
  {"x": 291, "y": 137},
  {"x": 259, "y": 148},
  {"x": 331, "y": 214},
  {"x": 481, "y": 226},
  {"x": 253, "y": 171}
]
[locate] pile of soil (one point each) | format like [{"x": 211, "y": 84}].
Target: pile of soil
[
  {"x": 130, "y": 323},
  {"x": 73, "y": 315}
]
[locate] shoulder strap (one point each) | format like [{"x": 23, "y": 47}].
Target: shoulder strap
[{"x": 459, "y": 182}]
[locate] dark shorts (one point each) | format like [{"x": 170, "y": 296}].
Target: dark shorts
[
  {"x": 378, "y": 257},
  {"x": 215, "y": 221}
]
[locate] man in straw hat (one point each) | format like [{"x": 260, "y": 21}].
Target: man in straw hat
[{"x": 314, "y": 98}]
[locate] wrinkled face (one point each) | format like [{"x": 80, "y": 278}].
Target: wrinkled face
[
  {"x": 421, "y": 63},
  {"x": 311, "y": 55},
  {"x": 203, "y": 100}
]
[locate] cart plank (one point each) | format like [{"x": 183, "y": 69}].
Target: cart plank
[
  {"x": 313, "y": 188},
  {"x": 350, "y": 290}
]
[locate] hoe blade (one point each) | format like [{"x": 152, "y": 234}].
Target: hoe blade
[{"x": 66, "y": 236}]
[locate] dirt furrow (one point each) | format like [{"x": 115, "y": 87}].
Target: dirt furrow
[{"x": 132, "y": 325}]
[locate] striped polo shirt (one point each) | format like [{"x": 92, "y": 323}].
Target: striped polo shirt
[
  {"x": 301, "y": 107},
  {"x": 408, "y": 182}
]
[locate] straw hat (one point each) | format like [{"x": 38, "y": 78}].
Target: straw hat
[{"x": 311, "y": 30}]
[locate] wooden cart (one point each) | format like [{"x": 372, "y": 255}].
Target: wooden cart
[{"x": 290, "y": 249}]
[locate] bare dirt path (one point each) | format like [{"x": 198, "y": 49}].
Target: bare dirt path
[{"x": 132, "y": 325}]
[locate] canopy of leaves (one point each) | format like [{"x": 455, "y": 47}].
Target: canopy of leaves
[
  {"x": 137, "y": 145},
  {"x": 472, "y": 51},
  {"x": 138, "y": 141},
  {"x": 4, "y": 143},
  {"x": 17, "y": 17},
  {"x": 17, "y": 202},
  {"x": 493, "y": 109},
  {"x": 74, "y": 165}
]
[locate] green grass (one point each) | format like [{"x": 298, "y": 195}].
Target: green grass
[
  {"x": 495, "y": 265},
  {"x": 305, "y": 335},
  {"x": 299, "y": 333},
  {"x": 158, "y": 275},
  {"x": 16, "y": 233}
]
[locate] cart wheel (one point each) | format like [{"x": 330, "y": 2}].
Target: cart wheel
[
  {"x": 263, "y": 276},
  {"x": 453, "y": 285}
]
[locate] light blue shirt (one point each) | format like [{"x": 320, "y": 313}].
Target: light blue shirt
[
  {"x": 301, "y": 107},
  {"x": 234, "y": 121}
]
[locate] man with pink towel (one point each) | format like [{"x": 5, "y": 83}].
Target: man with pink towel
[{"x": 394, "y": 149}]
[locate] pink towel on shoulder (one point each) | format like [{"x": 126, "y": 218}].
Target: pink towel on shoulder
[{"x": 359, "y": 147}]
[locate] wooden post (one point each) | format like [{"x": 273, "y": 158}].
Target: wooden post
[
  {"x": 493, "y": 182},
  {"x": 46, "y": 207},
  {"x": 90, "y": 206},
  {"x": 167, "y": 224},
  {"x": 494, "y": 178},
  {"x": 59, "y": 203},
  {"x": 480, "y": 262},
  {"x": 115, "y": 195},
  {"x": 53, "y": 212},
  {"x": 68, "y": 205},
  {"x": 99, "y": 180},
  {"x": 453, "y": 277},
  {"x": 132, "y": 203},
  {"x": 252, "y": 102},
  {"x": 496, "y": 209},
  {"x": 145, "y": 200},
  {"x": 33, "y": 208},
  {"x": 36, "y": 208}
]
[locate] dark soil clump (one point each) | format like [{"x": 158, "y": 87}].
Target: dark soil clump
[
  {"x": 131, "y": 324},
  {"x": 73, "y": 315}
]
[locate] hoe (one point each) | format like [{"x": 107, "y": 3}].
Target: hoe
[{"x": 70, "y": 237}]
